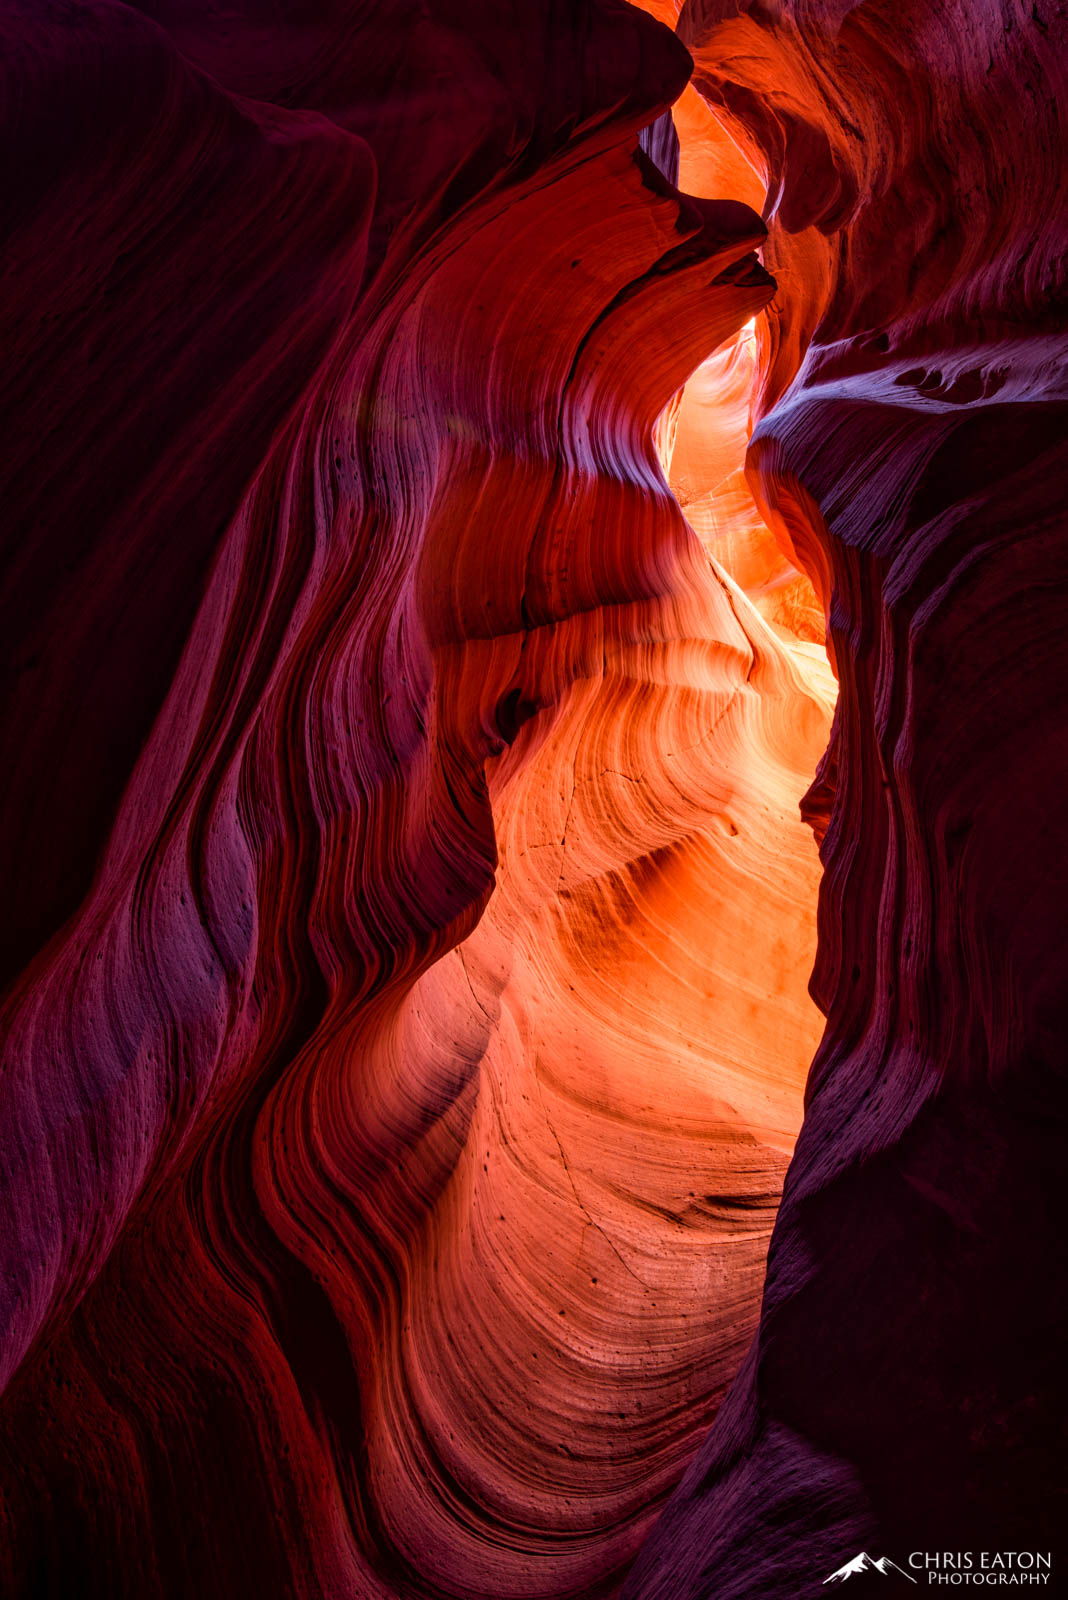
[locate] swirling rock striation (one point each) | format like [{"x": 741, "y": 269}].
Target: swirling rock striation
[
  {"x": 410, "y": 917},
  {"x": 409, "y": 914},
  {"x": 905, "y": 1390}
]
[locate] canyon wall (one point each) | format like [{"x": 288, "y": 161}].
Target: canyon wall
[
  {"x": 905, "y": 1391},
  {"x": 411, "y": 918}
]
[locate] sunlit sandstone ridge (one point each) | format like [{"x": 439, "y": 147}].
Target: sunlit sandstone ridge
[{"x": 410, "y": 913}]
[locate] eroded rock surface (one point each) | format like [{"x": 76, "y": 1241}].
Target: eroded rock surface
[
  {"x": 904, "y": 1391},
  {"x": 410, "y": 917}
]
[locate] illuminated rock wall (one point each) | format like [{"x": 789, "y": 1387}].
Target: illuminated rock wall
[
  {"x": 410, "y": 917},
  {"x": 368, "y": 1240},
  {"x": 904, "y": 1391}
]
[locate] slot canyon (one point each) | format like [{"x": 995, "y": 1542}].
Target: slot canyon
[{"x": 535, "y": 716}]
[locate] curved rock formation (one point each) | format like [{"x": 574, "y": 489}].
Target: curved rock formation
[
  {"x": 361, "y": 1250},
  {"x": 410, "y": 915},
  {"x": 904, "y": 1391}
]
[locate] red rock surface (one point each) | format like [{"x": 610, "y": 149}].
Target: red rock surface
[
  {"x": 904, "y": 1391},
  {"x": 410, "y": 918}
]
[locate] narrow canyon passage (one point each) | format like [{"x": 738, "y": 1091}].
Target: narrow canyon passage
[
  {"x": 637, "y": 988},
  {"x": 461, "y": 1137}
]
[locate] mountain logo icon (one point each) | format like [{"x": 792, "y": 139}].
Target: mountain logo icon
[{"x": 866, "y": 1563}]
